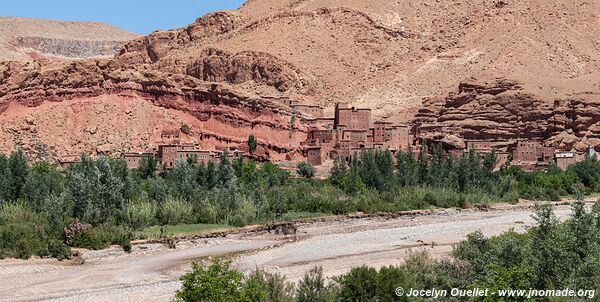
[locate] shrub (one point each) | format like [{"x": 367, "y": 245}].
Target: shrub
[
  {"x": 243, "y": 215},
  {"x": 139, "y": 214},
  {"x": 217, "y": 282},
  {"x": 23, "y": 233},
  {"x": 312, "y": 287},
  {"x": 176, "y": 211},
  {"x": 58, "y": 249},
  {"x": 270, "y": 287},
  {"x": 305, "y": 170},
  {"x": 27, "y": 247},
  {"x": 102, "y": 237},
  {"x": 73, "y": 229},
  {"x": 368, "y": 284}
]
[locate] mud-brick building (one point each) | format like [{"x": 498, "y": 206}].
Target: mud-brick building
[
  {"x": 390, "y": 135},
  {"x": 483, "y": 147},
  {"x": 351, "y": 118},
  {"x": 169, "y": 154},
  {"x": 479, "y": 145},
  {"x": 133, "y": 159},
  {"x": 529, "y": 154},
  {"x": 565, "y": 159},
  {"x": 170, "y": 136},
  {"x": 351, "y": 133},
  {"x": 313, "y": 155},
  {"x": 525, "y": 151},
  {"x": 321, "y": 136}
]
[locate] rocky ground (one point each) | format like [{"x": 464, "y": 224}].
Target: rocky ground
[{"x": 151, "y": 272}]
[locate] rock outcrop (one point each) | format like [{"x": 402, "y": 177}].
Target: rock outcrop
[{"x": 501, "y": 110}]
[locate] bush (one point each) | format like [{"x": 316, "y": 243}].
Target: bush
[
  {"x": 73, "y": 229},
  {"x": 102, "y": 237},
  {"x": 243, "y": 215},
  {"x": 312, "y": 287},
  {"x": 27, "y": 247},
  {"x": 22, "y": 233},
  {"x": 176, "y": 211},
  {"x": 270, "y": 287},
  {"x": 217, "y": 282},
  {"x": 305, "y": 170},
  {"x": 368, "y": 284},
  {"x": 58, "y": 249},
  {"x": 139, "y": 214}
]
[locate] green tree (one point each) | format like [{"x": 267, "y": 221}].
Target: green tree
[
  {"x": 5, "y": 180},
  {"x": 338, "y": 171},
  {"x": 43, "y": 180},
  {"x": 549, "y": 255},
  {"x": 182, "y": 179},
  {"x": 18, "y": 173},
  {"x": 423, "y": 164},
  {"x": 148, "y": 167},
  {"x": 252, "y": 143},
  {"x": 385, "y": 167},
  {"x": 98, "y": 193},
  {"x": 407, "y": 173},
  {"x": 211, "y": 179},
  {"x": 226, "y": 174}
]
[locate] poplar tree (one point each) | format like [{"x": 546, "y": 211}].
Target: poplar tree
[
  {"x": 18, "y": 173},
  {"x": 252, "y": 143}
]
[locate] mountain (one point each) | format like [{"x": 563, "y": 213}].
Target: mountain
[
  {"x": 224, "y": 76},
  {"x": 35, "y": 39}
]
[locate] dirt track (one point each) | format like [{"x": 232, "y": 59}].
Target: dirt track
[{"x": 151, "y": 272}]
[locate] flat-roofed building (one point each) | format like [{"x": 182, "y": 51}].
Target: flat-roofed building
[
  {"x": 565, "y": 159},
  {"x": 478, "y": 145},
  {"x": 352, "y": 118},
  {"x": 133, "y": 159},
  {"x": 525, "y": 152}
]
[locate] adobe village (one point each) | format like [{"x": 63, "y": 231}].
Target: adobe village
[{"x": 352, "y": 131}]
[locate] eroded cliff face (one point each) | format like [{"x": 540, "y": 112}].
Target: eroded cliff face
[
  {"x": 60, "y": 110},
  {"x": 501, "y": 109}
]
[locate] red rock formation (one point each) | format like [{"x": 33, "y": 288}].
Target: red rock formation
[
  {"x": 501, "y": 110},
  {"x": 217, "y": 115}
]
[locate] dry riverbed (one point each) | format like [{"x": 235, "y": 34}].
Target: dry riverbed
[{"x": 151, "y": 271}]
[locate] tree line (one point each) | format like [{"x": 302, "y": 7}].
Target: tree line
[{"x": 102, "y": 202}]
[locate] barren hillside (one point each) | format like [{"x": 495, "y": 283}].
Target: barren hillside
[
  {"x": 27, "y": 39},
  {"x": 391, "y": 54},
  {"x": 396, "y": 57}
]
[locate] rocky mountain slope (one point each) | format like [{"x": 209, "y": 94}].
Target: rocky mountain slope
[
  {"x": 401, "y": 58},
  {"x": 34, "y": 39},
  {"x": 390, "y": 55}
]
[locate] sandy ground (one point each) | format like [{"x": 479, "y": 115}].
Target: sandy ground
[{"x": 151, "y": 272}]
